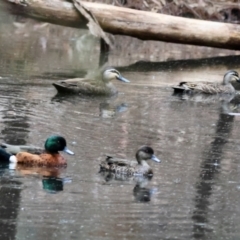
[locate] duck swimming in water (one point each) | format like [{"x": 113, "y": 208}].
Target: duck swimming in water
[
  {"x": 130, "y": 168},
  {"x": 210, "y": 87},
  {"x": 99, "y": 86},
  {"x": 50, "y": 156}
]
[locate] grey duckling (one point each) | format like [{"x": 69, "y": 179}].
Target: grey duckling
[
  {"x": 131, "y": 168},
  {"x": 210, "y": 87},
  {"x": 99, "y": 86}
]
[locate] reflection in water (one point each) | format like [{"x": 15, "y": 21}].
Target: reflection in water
[
  {"x": 52, "y": 185},
  {"x": 109, "y": 107},
  {"x": 210, "y": 168},
  {"x": 205, "y": 98},
  {"x": 15, "y": 116},
  {"x": 233, "y": 106},
  {"x": 230, "y": 103},
  {"x": 141, "y": 192},
  {"x": 108, "y": 110},
  {"x": 104, "y": 52},
  {"x": 15, "y": 130},
  {"x": 52, "y": 181},
  {"x": 10, "y": 191}
]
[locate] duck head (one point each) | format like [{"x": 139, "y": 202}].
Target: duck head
[
  {"x": 229, "y": 76},
  {"x": 111, "y": 74},
  {"x": 57, "y": 143},
  {"x": 146, "y": 153}
]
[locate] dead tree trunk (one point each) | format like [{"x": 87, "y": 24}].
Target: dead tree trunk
[{"x": 135, "y": 23}]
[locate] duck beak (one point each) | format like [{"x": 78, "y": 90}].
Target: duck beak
[
  {"x": 66, "y": 150},
  {"x": 120, "y": 78},
  {"x": 154, "y": 158}
]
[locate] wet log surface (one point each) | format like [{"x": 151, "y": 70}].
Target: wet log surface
[{"x": 135, "y": 23}]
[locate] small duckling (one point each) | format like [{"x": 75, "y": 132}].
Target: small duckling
[
  {"x": 101, "y": 86},
  {"x": 122, "y": 166},
  {"x": 50, "y": 157},
  {"x": 209, "y": 87}
]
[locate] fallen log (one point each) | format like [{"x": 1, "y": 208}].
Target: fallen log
[{"x": 135, "y": 23}]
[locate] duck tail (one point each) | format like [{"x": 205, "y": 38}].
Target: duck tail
[
  {"x": 103, "y": 166},
  {"x": 6, "y": 157}
]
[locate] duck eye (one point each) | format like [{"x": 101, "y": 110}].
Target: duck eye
[{"x": 235, "y": 74}]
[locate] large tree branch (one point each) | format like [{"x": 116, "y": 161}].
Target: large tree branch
[{"x": 135, "y": 23}]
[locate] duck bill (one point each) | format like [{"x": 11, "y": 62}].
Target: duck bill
[
  {"x": 154, "y": 158},
  {"x": 66, "y": 150},
  {"x": 120, "y": 78}
]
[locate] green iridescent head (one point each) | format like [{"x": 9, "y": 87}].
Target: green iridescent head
[{"x": 56, "y": 143}]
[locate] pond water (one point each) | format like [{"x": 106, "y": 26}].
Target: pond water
[{"x": 195, "y": 191}]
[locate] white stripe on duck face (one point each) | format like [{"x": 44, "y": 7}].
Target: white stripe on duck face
[{"x": 112, "y": 70}]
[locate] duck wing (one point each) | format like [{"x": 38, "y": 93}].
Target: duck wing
[
  {"x": 214, "y": 88},
  {"x": 81, "y": 85},
  {"x": 119, "y": 161},
  {"x": 203, "y": 87},
  {"x": 184, "y": 87},
  {"x": 111, "y": 163},
  {"x": 14, "y": 149}
]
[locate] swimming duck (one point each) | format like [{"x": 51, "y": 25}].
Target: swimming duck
[
  {"x": 49, "y": 157},
  {"x": 101, "y": 86},
  {"x": 209, "y": 87},
  {"x": 122, "y": 166}
]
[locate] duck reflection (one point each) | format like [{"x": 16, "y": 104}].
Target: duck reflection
[
  {"x": 108, "y": 110},
  {"x": 52, "y": 182},
  {"x": 231, "y": 107},
  {"x": 108, "y": 107},
  {"x": 230, "y": 103},
  {"x": 210, "y": 168},
  {"x": 205, "y": 98},
  {"x": 141, "y": 191}
]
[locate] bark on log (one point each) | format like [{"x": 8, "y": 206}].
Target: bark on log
[{"x": 135, "y": 23}]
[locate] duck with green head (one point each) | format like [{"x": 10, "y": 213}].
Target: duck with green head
[
  {"x": 210, "y": 87},
  {"x": 30, "y": 155},
  {"x": 99, "y": 86},
  {"x": 131, "y": 168}
]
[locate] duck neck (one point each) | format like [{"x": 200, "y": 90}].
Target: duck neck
[
  {"x": 51, "y": 152},
  {"x": 144, "y": 164},
  {"x": 141, "y": 162},
  {"x": 226, "y": 81},
  {"x": 111, "y": 87}
]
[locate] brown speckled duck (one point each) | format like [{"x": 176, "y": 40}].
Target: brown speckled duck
[
  {"x": 130, "y": 168},
  {"x": 100, "y": 86},
  {"x": 210, "y": 87}
]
